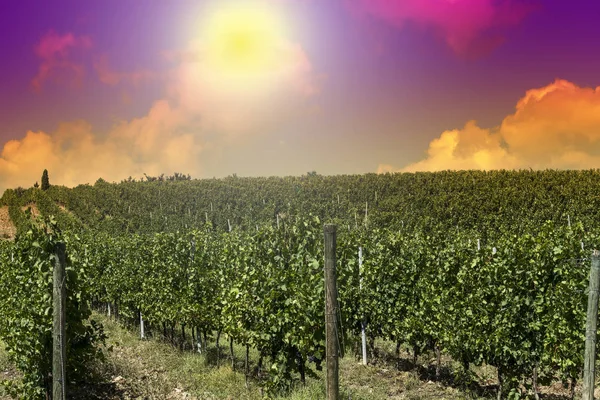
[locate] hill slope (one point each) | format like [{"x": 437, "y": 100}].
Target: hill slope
[{"x": 468, "y": 200}]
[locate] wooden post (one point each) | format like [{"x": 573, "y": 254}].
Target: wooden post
[
  {"x": 246, "y": 369},
  {"x": 231, "y": 352},
  {"x": 590, "y": 329},
  {"x": 59, "y": 297},
  {"x": 331, "y": 311},
  {"x": 363, "y": 322}
]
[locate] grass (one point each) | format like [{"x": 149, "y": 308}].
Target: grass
[
  {"x": 4, "y": 363},
  {"x": 154, "y": 369},
  {"x": 7, "y": 370}
]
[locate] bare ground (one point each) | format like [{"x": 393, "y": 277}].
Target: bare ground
[{"x": 7, "y": 228}]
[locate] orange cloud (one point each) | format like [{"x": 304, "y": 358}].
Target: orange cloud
[
  {"x": 57, "y": 61},
  {"x": 161, "y": 141},
  {"x": 197, "y": 116},
  {"x": 556, "y": 126}
]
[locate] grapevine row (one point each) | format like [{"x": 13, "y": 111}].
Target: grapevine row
[{"x": 518, "y": 305}]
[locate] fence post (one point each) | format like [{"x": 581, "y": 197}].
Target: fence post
[
  {"x": 331, "y": 311},
  {"x": 59, "y": 296},
  {"x": 589, "y": 369}
]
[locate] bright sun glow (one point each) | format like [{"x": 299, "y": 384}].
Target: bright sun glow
[{"x": 243, "y": 41}]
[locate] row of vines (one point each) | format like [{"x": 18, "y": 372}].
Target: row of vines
[
  {"x": 26, "y": 267},
  {"x": 517, "y": 304}
]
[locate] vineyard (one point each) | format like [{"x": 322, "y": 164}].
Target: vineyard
[{"x": 486, "y": 268}]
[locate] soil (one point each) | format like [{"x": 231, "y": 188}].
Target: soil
[{"x": 7, "y": 228}]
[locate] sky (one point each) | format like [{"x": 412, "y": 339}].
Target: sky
[{"x": 118, "y": 88}]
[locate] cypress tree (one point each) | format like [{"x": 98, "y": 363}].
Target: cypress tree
[{"x": 45, "y": 180}]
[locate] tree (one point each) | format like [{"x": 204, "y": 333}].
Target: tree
[
  {"x": 45, "y": 180},
  {"x": 37, "y": 185}
]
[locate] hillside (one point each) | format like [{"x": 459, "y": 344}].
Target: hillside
[
  {"x": 160, "y": 252},
  {"x": 488, "y": 202}
]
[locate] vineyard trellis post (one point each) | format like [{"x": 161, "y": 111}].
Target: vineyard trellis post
[
  {"x": 331, "y": 312},
  {"x": 590, "y": 329},
  {"x": 363, "y": 321},
  {"x": 142, "y": 333},
  {"x": 59, "y": 297}
]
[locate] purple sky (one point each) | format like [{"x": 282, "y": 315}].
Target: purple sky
[{"x": 387, "y": 86}]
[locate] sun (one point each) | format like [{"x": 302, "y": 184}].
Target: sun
[{"x": 243, "y": 40}]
